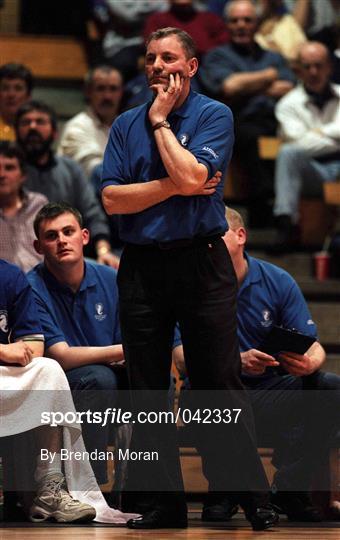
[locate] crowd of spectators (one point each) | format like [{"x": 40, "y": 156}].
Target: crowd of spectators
[
  {"x": 249, "y": 59},
  {"x": 275, "y": 63},
  {"x": 246, "y": 50},
  {"x": 251, "y": 79}
]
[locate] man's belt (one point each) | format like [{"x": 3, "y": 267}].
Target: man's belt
[{"x": 181, "y": 242}]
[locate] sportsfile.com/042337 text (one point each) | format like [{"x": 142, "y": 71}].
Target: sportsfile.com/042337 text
[{"x": 117, "y": 415}]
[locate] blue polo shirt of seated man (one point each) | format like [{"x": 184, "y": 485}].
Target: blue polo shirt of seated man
[
  {"x": 88, "y": 317},
  {"x": 201, "y": 125},
  {"x": 269, "y": 296}
]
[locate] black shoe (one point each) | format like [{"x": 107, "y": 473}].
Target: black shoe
[
  {"x": 158, "y": 519},
  {"x": 287, "y": 237},
  {"x": 262, "y": 517},
  {"x": 298, "y": 506},
  {"x": 223, "y": 510},
  {"x": 333, "y": 513}
]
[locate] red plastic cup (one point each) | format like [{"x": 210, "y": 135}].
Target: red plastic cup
[{"x": 321, "y": 265}]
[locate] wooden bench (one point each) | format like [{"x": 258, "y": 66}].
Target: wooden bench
[
  {"x": 55, "y": 58},
  {"x": 331, "y": 193},
  {"x": 236, "y": 182}
]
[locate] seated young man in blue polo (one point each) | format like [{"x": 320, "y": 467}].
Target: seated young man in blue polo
[{"x": 78, "y": 308}]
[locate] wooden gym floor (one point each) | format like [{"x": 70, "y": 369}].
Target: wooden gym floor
[{"x": 237, "y": 529}]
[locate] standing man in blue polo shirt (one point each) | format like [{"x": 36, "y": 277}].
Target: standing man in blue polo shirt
[
  {"x": 162, "y": 174},
  {"x": 77, "y": 302}
]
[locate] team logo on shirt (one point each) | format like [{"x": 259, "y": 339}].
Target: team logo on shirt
[
  {"x": 184, "y": 139},
  {"x": 267, "y": 318},
  {"x": 3, "y": 321},
  {"x": 100, "y": 315}
]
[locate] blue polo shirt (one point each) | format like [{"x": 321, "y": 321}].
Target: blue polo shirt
[
  {"x": 19, "y": 317},
  {"x": 201, "y": 125},
  {"x": 223, "y": 61},
  {"x": 88, "y": 317},
  {"x": 269, "y": 296}
]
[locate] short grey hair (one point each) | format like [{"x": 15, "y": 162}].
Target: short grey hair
[{"x": 183, "y": 37}]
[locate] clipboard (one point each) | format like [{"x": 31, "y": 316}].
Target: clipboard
[{"x": 282, "y": 339}]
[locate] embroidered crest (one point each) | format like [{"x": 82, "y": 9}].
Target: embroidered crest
[
  {"x": 184, "y": 139},
  {"x": 3, "y": 321},
  {"x": 100, "y": 315},
  {"x": 267, "y": 318}
]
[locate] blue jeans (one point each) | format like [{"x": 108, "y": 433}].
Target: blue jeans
[
  {"x": 296, "y": 171},
  {"x": 94, "y": 387}
]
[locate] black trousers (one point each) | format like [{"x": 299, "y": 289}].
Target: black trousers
[{"x": 196, "y": 286}]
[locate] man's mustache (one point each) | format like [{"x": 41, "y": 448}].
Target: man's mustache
[
  {"x": 106, "y": 103},
  {"x": 33, "y": 133},
  {"x": 166, "y": 77}
]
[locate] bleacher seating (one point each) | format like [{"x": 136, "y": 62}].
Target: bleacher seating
[{"x": 48, "y": 57}]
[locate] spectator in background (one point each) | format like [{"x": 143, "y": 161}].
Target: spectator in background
[
  {"x": 278, "y": 30},
  {"x": 320, "y": 19},
  {"x": 16, "y": 83},
  {"x": 78, "y": 308},
  {"x": 85, "y": 136},
  {"x": 251, "y": 80},
  {"x": 309, "y": 122},
  {"x": 206, "y": 29},
  {"x": 17, "y": 209},
  {"x": 60, "y": 178},
  {"x": 314, "y": 16},
  {"x": 120, "y": 27}
]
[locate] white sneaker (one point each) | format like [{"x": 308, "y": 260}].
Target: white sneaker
[{"x": 54, "y": 502}]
